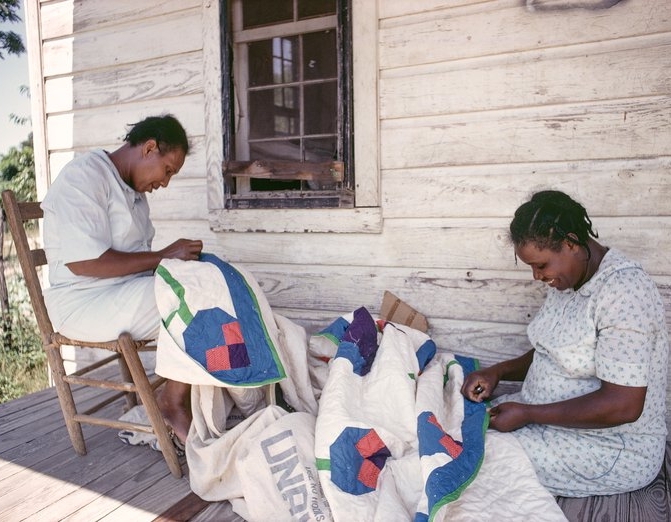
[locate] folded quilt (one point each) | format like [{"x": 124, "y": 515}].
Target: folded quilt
[
  {"x": 213, "y": 321},
  {"x": 375, "y": 429},
  {"x": 391, "y": 412}
]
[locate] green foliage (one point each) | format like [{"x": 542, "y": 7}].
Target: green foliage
[
  {"x": 23, "y": 365},
  {"x": 17, "y": 171},
  {"x": 10, "y": 42},
  {"x": 17, "y": 119}
]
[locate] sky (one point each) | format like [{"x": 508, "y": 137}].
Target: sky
[{"x": 13, "y": 74}]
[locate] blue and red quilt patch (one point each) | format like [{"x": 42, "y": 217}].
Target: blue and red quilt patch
[
  {"x": 234, "y": 346},
  {"x": 214, "y": 339},
  {"x": 358, "y": 456}
]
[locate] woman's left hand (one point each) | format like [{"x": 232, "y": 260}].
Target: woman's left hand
[{"x": 508, "y": 416}]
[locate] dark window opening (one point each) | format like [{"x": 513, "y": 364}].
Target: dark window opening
[{"x": 287, "y": 104}]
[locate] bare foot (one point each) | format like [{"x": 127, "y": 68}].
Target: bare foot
[{"x": 173, "y": 401}]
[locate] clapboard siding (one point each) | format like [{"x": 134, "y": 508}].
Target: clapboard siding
[
  {"x": 186, "y": 199},
  {"x": 153, "y": 38},
  {"x": 62, "y": 18},
  {"x": 124, "y": 84},
  {"x": 478, "y": 243},
  {"x": 392, "y": 8},
  {"x": 91, "y": 127},
  {"x": 494, "y": 28},
  {"x": 631, "y": 187},
  {"x": 635, "y": 128},
  {"x": 463, "y": 295},
  {"x": 615, "y": 71}
]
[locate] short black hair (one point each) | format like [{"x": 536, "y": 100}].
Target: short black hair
[
  {"x": 549, "y": 218},
  {"x": 166, "y": 130}
]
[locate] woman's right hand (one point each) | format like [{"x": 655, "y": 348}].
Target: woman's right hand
[
  {"x": 184, "y": 249},
  {"x": 479, "y": 385}
]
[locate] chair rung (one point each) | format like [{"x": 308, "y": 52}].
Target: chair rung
[
  {"x": 97, "y": 364},
  {"x": 156, "y": 381},
  {"x": 100, "y": 405},
  {"x": 127, "y": 387},
  {"x": 111, "y": 423}
]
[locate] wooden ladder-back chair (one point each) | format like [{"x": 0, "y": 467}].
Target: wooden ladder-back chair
[{"x": 132, "y": 381}]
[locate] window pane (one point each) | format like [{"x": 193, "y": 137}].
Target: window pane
[
  {"x": 273, "y": 61},
  {"x": 289, "y": 150},
  {"x": 309, "y": 8},
  {"x": 320, "y": 149},
  {"x": 273, "y": 113},
  {"x": 263, "y": 12},
  {"x": 321, "y": 108},
  {"x": 319, "y": 55}
]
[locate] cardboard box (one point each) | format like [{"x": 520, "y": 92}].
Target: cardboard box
[{"x": 397, "y": 311}]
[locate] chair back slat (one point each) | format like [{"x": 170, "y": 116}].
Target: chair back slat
[
  {"x": 30, "y": 210},
  {"x": 29, "y": 259},
  {"x": 39, "y": 257}
]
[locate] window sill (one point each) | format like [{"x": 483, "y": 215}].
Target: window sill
[{"x": 334, "y": 220}]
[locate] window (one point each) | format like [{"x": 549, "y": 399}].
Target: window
[
  {"x": 361, "y": 154},
  {"x": 286, "y": 86}
]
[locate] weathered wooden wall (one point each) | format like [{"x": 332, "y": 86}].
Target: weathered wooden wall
[{"x": 480, "y": 103}]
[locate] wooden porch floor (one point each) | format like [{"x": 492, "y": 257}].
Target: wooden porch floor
[{"x": 43, "y": 479}]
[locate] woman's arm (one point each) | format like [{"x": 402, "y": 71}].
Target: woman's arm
[
  {"x": 113, "y": 263},
  {"x": 611, "y": 405},
  {"x": 515, "y": 369}
]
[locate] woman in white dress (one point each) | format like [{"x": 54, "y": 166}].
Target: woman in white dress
[{"x": 98, "y": 238}]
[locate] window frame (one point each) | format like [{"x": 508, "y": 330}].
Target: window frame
[{"x": 366, "y": 214}]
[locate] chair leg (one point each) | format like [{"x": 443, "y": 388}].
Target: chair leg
[
  {"x": 65, "y": 398},
  {"x": 147, "y": 397},
  {"x": 131, "y": 398}
]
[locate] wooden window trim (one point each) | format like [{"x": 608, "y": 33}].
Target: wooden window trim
[{"x": 366, "y": 216}]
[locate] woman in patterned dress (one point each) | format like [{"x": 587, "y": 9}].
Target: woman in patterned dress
[{"x": 591, "y": 411}]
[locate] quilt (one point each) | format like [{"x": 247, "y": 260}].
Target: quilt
[{"x": 368, "y": 423}]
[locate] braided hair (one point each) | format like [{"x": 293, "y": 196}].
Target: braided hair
[{"x": 548, "y": 219}]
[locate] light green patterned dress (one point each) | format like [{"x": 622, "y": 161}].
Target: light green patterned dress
[{"x": 612, "y": 329}]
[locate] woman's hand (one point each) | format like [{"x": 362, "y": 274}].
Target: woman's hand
[
  {"x": 479, "y": 385},
  {"x": 184, "y": 249},
  {"x": 508, "y": 416}
]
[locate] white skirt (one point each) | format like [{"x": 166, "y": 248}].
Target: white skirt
[{"x": 102, "y": 313}]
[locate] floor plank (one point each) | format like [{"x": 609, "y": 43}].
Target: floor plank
[
  {"x": 219, "y": 511},
  {"x": 185, "y": 509}
]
